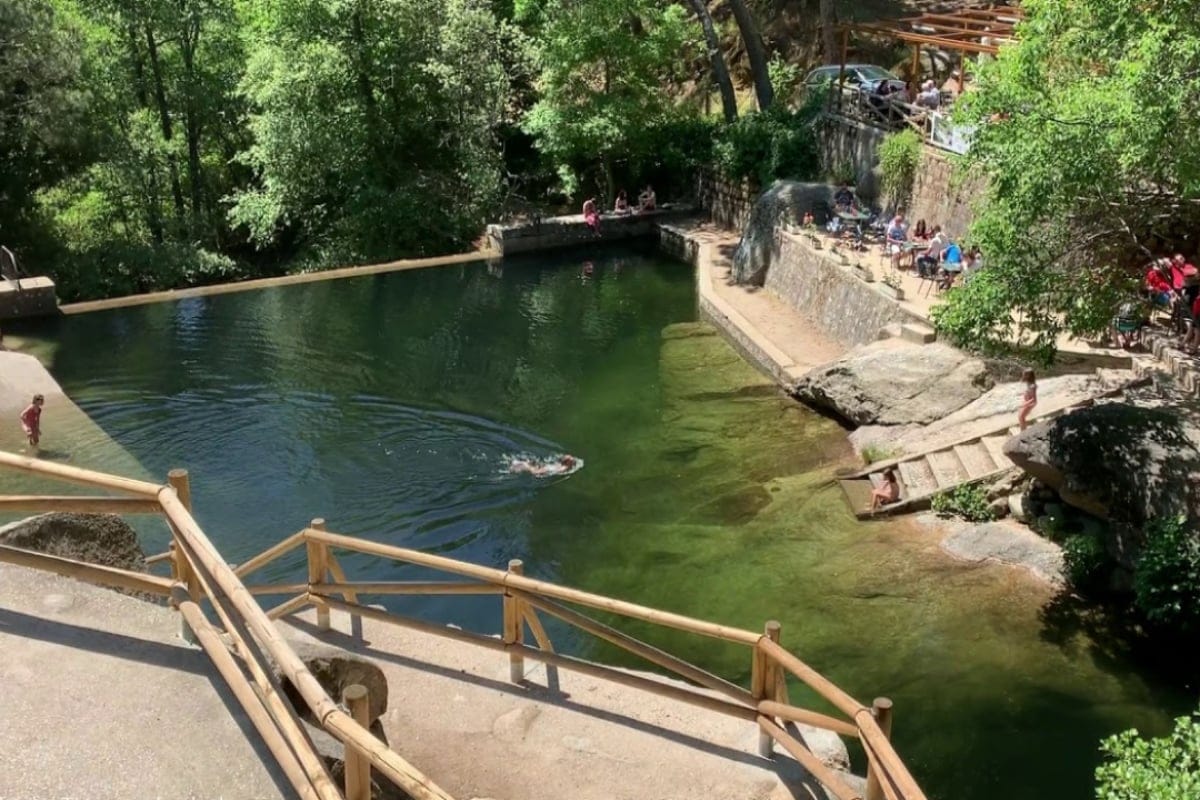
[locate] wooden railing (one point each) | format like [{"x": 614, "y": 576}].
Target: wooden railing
[{"x": 198, "y": 573}]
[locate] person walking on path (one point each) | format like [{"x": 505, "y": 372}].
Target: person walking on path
[
  {"x": 1029, "y": 400},
  {"x": 31, "y": 421}
]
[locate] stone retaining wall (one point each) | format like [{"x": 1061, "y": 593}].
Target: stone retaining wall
[
  {"x": 846, "y": 142},
  {"x": 557, "y": 232},
  {"x": 727, "y": 202},
  {"x": 941, "y": 200},
  {"x": 35, "y": 297},
  {"x": 815, "y": 283}
]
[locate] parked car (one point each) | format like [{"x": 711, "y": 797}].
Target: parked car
[{"x": 865, "y": 77}]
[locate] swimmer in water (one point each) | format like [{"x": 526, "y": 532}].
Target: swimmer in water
[{"x": 561, "y": 465}]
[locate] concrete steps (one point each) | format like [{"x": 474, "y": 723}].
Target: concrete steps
[{"x": 1167, "y": 357}]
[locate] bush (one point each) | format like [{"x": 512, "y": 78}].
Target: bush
[
  {"x": 968, "y": 502},
  {"x": 899, "y": 155},
  {"x": 1085, "y": 557},
  {"x": 119, "y": 269},
  {"x": 770, "y": 145},
  {"x": 1151, "y": 769},
  {"x": 1166, "y": 578}
]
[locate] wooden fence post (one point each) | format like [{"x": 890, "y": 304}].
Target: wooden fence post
[
  {"x": 180, "y": 569},
  {"x": 317, "y": 568},
  {"x": 763, "y": 683},
  {"x": 357, "y": 765},
  {"x": 514, "y": 627},
  {"x": 882, "y": 709}
]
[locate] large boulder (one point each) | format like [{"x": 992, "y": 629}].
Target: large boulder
[
  {"x": 336, "y": 669},
  {"x": 1117, "y": 461},
  {"x": 102, "y": 539},
  {"x": 783, "y": 202},
  {"x": 892, "y": 382}
]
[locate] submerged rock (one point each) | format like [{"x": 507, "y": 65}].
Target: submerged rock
[
  {"x": 335, "y": 670},
  {"x": 1007, "y": 543},
  {"x": 1116, "y": 461},
  {"x": 892, "y": 382},
  {"x": 783, "y": 202}
]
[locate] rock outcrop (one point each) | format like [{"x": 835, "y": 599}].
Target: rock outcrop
[
  {"x": 892, "y": 382},
  {"x": 783, "y": 202},
  {"x": 102, "y": 539},
  {"x": 336, "y": 669},
  {"x": 1117, "y": 461}
]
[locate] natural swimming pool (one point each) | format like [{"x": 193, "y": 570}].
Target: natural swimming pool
[{"x": 389, "y": 404}]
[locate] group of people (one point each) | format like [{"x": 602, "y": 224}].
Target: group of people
[
  {"x": 1171, "y": 284},
  {"x": 647, "y": 201},
  {"x": 942, "y": 258}
]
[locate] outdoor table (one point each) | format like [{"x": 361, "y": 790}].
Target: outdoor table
[{"x": 854, "y": 216}]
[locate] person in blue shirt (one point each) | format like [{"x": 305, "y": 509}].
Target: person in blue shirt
[{"x": 952, "y": 263}]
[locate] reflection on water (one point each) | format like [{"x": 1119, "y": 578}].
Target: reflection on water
[{"x": 390, "y": 404}]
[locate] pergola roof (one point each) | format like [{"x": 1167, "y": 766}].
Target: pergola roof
[{"x": 969, "y": 30}]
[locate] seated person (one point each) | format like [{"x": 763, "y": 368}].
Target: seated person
[
  {"x": 590, "y": 215},
  {"x": 843, "y": 199},
  {"x": 920, "y": 231},
  {"x": 621, "y": 206},
  {"x": 952, "y": 264},
  {"x": 929, "y": 96},
  {"x": 927, "y": 262},
  {"x": 808, "y": 219},
  {"x": 974, "y": 263},
  {"x": 1180, "y": 269},
  {"x": 1128, "y": 324},
  {"x": 886, "y": 494},
  {"x": 896, "y": 235},
  {"x": 1158, "y": 283},
  {"x": 647, "y": 200}
]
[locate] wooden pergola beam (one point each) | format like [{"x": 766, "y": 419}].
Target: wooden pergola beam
[{"x": 917, "y": 38}]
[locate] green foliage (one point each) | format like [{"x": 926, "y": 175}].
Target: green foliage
[
  {"x": 770, "y": 145},
  {"x": 968, "y": 502},
  {"x": 1084, "y": 132},
  {"x": 899, "y": 155},
  {"x": 843, "y": 173},
  {"x": 786, "y": 77},
  {"x": 1166, "y": 578},
  {"x": 873, "y": 453},
  {"x": 605, "y": 67},
  {"x": 1166, "y": 768},
  {"x": 1085, "y": 557}
]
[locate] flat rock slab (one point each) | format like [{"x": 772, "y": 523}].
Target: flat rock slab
[
  {"x": 1008, "y": 543},
  {"x": 101, "y": 699},
  {"x": 454, "y": 715}
]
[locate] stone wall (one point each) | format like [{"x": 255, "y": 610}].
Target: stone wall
[
  {"x": 34, "y": 298},
  {"x": 844, "y": 141},
  {"x": 556, "y": 232},
  {"x": 939, "y": 199},
  {"x": 727, "y": 202},
  {"x": 815, "y": 283}
]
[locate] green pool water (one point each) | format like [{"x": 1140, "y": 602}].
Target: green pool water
[{"x": 391, "y": 404}]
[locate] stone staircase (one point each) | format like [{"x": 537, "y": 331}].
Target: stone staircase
[{"x": 1165, "y": 356}]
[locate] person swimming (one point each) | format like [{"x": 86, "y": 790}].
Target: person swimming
[{"x": 558, "y": 465}]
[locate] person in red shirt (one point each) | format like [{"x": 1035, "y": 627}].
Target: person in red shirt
[
  {"x": 1158, "y": 283},
  {"x": 31, "y": 420}
]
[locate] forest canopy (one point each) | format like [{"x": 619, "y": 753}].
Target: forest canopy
[{"x": 148, "y": 144}]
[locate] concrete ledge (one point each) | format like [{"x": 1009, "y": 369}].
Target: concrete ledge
[
  {"x": 28, "y": 297},
  {"x": 556, "y": 232}
]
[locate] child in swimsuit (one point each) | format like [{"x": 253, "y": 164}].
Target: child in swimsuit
[
  {"x": 1029, "y": 400},
  {"x": 31, "y": 420}
]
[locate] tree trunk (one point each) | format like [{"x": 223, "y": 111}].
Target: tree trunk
[
  {"x": 164, "y": 115},
  {"x": 755, "y": 52},
  {"x": 829, "y": 39},
  {"x": 717, "y": 58},
  {"x": 187, "y": 50}
]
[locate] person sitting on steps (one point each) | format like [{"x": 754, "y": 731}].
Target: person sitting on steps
[{"x": 886, "y": 494}]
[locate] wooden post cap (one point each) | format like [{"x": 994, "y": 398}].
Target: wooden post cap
[
  {"x": 772, "y": 629},
  {"x": 516, "y": 565},
  {"x": 177, "y": 474},
  {"x": 354, "y": 693},
  {"x": 882, "y": 704},
  {"x": 318, "y": 523}
]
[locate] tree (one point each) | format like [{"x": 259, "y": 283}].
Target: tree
[
  {"x": 719, "y": 68},
  {"x": 41, "y": 108},
  {"x": 828, "y": 15},
  {"x": 605, "y": 70},
  {"x": 755, "y": 52},
  {"x": 1152, "y": 769},
  {"x": 1086, "y": 132},
  {"x": 374, "y": 124}
]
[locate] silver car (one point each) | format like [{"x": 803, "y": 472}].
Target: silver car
[{"x": 866, "y": 77}]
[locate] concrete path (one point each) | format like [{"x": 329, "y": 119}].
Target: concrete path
[
  {"x": 101, "y": 699},
  {"x": 454, "y": 714}
]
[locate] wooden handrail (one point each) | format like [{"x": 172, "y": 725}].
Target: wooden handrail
[
  {"x": 324, "y": 709},
  {"x": 537, "y": 587},
  {"x": 86, "y": 477},
  {"x": 406, "y": 587},
  {"x": 93, "y": 573},
  {"x": 873, "y": 739},
  {"x": 815, "y": 681},
  {"x": 74, "y": 504},
  {"x": 810, "y": 762},
  {"x": 270, "y": 554}
]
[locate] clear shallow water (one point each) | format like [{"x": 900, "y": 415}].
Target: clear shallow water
[{"x": 389, "y": 405}]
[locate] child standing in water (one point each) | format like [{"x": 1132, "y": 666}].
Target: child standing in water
[
  {"x": 1029, "y": 400},
  {"x": 31, "y": 421}
]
